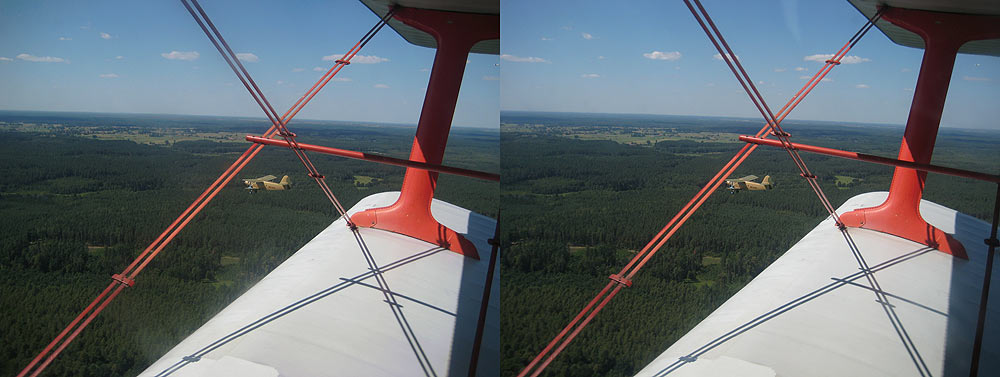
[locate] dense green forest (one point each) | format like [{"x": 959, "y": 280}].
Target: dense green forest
[
  {"x": 576, "y": 208},
  {"x": 77, "y": 208}
]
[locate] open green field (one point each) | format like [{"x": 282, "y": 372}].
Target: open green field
[
  {"x": 140, "y": 135},
  {"x": 845, "y": 180},
  {"x": 364, "y": 180},
  {"x": 625, "y": 134}
]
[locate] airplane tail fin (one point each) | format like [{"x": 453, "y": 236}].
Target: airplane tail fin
[
  {"x": 285, "y": 181},
  {"x": 767, "y": 182}
]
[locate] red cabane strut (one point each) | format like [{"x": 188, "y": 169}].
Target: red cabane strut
[
  {"x": 943, "y": 34},
  {"x": 455, "y": 34}
]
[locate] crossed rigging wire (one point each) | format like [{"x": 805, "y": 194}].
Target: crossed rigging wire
[
  {"x": 624, "y": 277},
  {"x": 277, "y": 122},
  {"x": 278, "y": 126}
]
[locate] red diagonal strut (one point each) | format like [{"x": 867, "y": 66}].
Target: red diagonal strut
[{"x": 382, "y": 159}]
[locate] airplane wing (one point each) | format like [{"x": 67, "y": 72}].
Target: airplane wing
[
  {"x": 261, "y": 179},
  {"x": 323, "y": 312},
  {"x": 814, "y": 311},
  {"x": 748, "y": 178}
]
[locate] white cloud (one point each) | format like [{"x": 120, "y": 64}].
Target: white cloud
[
  {"x": 809, "y": 77},
  {"x": 108, "y": 76},
  {"x": 822, "y": 58},
  {"x": 341, "y": 79},
  {"x": 587, "y": 36},
  {"x": 546, "y": 39},
  {"x": 567, "y": 28},
  {"x": 280, "y": 82},
  {"x": 590, "y": 75},
  {"x": 181, "y": 55},
  {"x": 600, "y": 57},
  {"x": 718, "y": 56},
  {"x": 247, "y": 57},
  {"x": 381, "y": 86},
  {"x": 41, "y": 59},
  {"x": 518, "y": 59},
  {"x": 119, "y": 57},
  {"x": 660, "y": 55},
  {"x": 105, "y": 35},
  {"x": 360, "y": 59},
  {"x": 780, "y": 69},
  {"x": 974, "y": 78},
  {"x": 862, "y": 86},
  {"x": 298, "y": 69},
  {"x": 800, "y": 69},
  {"x": 319, "y": 69},
  {"x": 65, "y": 39},
  {"x": 5, "y": 59}
]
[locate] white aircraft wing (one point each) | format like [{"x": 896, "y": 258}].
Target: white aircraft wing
[
  {"x": 323, "y": 312},
  {"x": 816, "y": 312}
]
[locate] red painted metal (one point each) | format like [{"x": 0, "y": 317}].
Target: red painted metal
[
  {"x": 455, "y": 34},
  {"x": 123, "y": 280},
  {"x": 984, "y": 297},
  {"x": 381, "y": 159},
  {"x": 620, "y": 280},
  {"x": 878, "y": 159},
  {"x": 943, "y": 34},
  {"x": 485, "y": 302}
]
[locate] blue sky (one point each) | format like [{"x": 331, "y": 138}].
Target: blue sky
[
  {"x": 651, "y": 57},
  {"x": 115, "y": 56}
]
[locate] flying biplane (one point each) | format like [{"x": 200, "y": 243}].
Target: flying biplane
[
  {"x": 264, "y": 183},
  {"x": 747, "y": 183}
]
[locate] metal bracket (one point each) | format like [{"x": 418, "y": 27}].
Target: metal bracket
[
  {"x": 122, "y": 279},
  {"x": 620, "y": 280}
]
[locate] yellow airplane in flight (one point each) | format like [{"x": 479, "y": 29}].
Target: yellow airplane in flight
[
  {"x": 747, "y": 183},
  {"x": 264, "y": 183}
]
